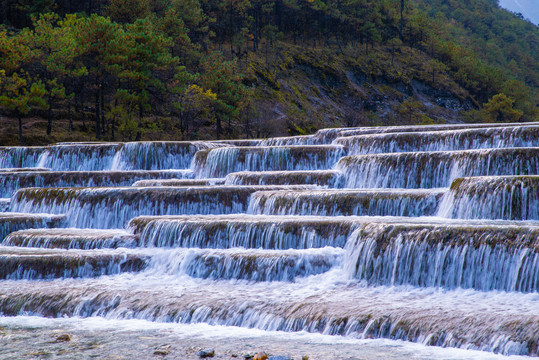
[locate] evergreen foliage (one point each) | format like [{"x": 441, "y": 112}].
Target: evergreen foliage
[{"x": 188, "y": 66}]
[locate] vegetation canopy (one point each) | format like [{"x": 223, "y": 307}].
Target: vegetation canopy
[{"x": 200, "y": 69}]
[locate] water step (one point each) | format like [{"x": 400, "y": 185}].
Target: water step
[
  {"x": 238, "y": 142},
  {"x": 19, "y": 157},
  {"x": 247, "y": 231},
  {"x": 71, "y": 238},
  {"x": 492, "y": 197},
  {"x": 157, "y": 155},
  {"x": 179, "y": 182},
  {"x": 275, "y": 141},
  {"x": 106, "y": 208},
  {"x": 4, "y": 204},
  {"x": 500, "y": 322},
  {"x": 464, "y": 139},
  {"x": 10, "y": 222},
  {"x": 435, "y": 169},
  {"x": 270, "y": 231},
  {"x": 242, "y": 264},
  {"x": 12, "y": 181},
  {"x": 326, "y": 136},
  {"x": 12, "y": 170},
  {"x": 219, "y": 162},
  {"x": 20, "y": 263},
  {"x": 481, "y": 257},
  {"x": 382, "y": 202},
  {"x": 329, "y": 178},
  {"x": 291, "y": 141}
]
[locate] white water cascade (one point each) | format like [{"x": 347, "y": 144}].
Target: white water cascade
[{"x": 427, "y": 234}]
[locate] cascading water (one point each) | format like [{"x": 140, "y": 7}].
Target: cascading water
[
  {"x": 179, "y": 182},
  {"x": 326, "y": 136},
  {"x": 434, "y": 169},
  {"x": 10, "y": 222},
  {"x": 70, "y": 239},
  {"x": 222, "y": 161},
  {"x": 326, "y": 178},
  {"x": 4, "y": 204},
  {"x": 11, "y": 181},
  {"x": 158, "y": 155},
  {"x": 508, "y": 197},
  {"x": 449, "y": 256},
  {"x": 85, "y": 157},
  {"x": 19, "y": 157},
  {"x": 251, "y": 264},
  {"x": 242, "y": 231},
  {"x": 463, "y": 139},
  {"x": 32, "y": 264},
  {"x": 101, "y": 156},
  {"x": 423, "y": 234},
  {"x": 106, "y": 208},
  {"x": 346, "y": 202}
]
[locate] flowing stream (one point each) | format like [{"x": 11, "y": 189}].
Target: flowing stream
[{"x": 380, "y": 240}]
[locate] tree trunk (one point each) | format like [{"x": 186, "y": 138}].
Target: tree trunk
[
  {"x": 267, "y": 51},
  {"x": 102, "y": 109},
  {"x": 97, "y": 119},
  {"x": 256, "y": 31},
  {"x": 339, "y": 43},
  {"x": 79, "y": 107},
  {"x": 219, "y": 128},
  {"x": 140, "y": 113},
  {"x": 402, "y": 20},
  {"x": 20, "y": 130},
  {"x": 113, "y": 120},
  {"x": 70, "y": 117},
  {"x": 188, "y": 119},
  {"x": 295, "y": 31},
  {"x": 49, "y": 123},
  {"x": 247, "y": 127}
]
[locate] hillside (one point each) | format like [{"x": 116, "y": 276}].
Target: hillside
[{"x": 190, "y": 69}]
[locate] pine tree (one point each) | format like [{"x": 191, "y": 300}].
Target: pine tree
[{"x": 19, "y": 94}]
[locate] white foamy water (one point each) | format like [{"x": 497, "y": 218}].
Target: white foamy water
[
  {"x": 225, "y": 340},
  {"x": 394, "y": 243}
]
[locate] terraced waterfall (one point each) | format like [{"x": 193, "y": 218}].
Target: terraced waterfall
[{"x": 423, "y": 234}]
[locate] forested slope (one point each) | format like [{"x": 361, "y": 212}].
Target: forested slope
[{"x": 188, "y": 69}]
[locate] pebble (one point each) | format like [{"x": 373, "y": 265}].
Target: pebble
[
  {"x": 162, "y": 351},
  {"x": 261, "y": 356},
  {"x": 63, "y": 338},
  {"x": 209, "y": 352}
]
